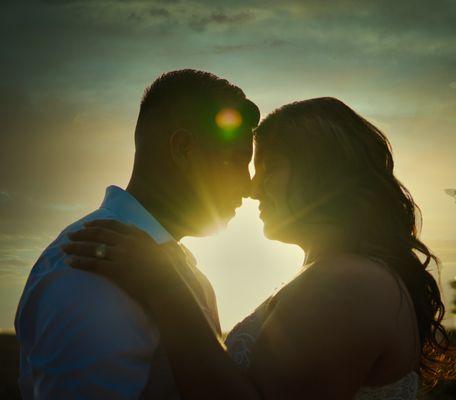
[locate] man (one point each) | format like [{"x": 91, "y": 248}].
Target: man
[{"x": 81, "y": 336}]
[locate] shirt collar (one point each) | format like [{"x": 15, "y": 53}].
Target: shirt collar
[{"x": 129, "y": 210}]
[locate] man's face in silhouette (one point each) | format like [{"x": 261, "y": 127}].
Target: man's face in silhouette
[
  {"x": 194, "y": 139},
  {"x": 219, "y": 178}
]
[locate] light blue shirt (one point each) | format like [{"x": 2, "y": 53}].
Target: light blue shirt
[{"x": 82, "y": 337}]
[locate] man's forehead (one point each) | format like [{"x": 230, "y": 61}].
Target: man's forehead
[
  {"x": 243, "y": 142},
  {"x": 239, "y": 152}
]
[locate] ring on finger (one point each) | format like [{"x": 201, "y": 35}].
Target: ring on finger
[{"x": 100, "y": 251}]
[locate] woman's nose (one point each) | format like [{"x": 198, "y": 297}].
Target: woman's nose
[{"x": 254, "y": 188}]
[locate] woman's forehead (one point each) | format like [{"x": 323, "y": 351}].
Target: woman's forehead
[{"x": 265, "y": 148}]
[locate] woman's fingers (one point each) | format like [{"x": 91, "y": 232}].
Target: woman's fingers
[
  {"x": 98, "y": 235},
  {"x": 89, "y": 249},
  {"x": 116, "y": 272},
  {"x": 97, "y": 265}
]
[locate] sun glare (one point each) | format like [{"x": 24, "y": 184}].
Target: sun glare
[
  {"x": 228, "y": 119},
  {"x": 244, "y": 267}
]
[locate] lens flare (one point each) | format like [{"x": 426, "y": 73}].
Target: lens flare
[{"x": 228, "y": 120}]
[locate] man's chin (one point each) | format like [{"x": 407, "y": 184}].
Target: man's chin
[{"x": 214, "y": 226}]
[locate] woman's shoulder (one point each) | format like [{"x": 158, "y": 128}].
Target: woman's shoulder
[
  {"x": 352, "y": 269},
  {"x": 342, "y": 307},
  {"x": 347, "y": 281}
]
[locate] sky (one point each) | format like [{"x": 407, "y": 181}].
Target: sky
[{"x": 72, "y": 74}]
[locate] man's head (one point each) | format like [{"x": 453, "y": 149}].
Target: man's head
[{"x": 193, "y": 145}]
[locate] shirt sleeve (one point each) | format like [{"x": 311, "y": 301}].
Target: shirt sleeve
[{"x": 90, "y": 340}]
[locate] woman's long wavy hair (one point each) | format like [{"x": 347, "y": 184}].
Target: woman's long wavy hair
[{"x": 347, "y": 166}]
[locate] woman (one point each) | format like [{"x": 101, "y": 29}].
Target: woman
[{"x": 362, "y": 319}]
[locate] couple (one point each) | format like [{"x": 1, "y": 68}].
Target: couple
[{"x": 115, "y": 307}]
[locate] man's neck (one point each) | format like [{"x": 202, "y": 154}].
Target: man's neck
[{"x": 155, "y": 202}]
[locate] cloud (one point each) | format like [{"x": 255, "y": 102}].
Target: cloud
[
  {"x": 5, "y": 198},
  {"x": 57, "y": 158},
  {"x": 76, "y": 40},
  {"x": 159, "y": 12},
  {"x": 228, "y": 48},
  {"x": 23, "y": 214},
  {"x": 27, "y": 226},
  {"x": 62, "y": 2},
  {"x": 18, "y": 253},
  {"x": 201, "y": 23}
]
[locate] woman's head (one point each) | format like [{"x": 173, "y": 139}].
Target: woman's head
[
  {"x": 322, "y": 167},
  {"x": 321, "y": 164}
]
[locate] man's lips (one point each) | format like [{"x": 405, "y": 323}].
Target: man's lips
[
  {"x": 262, "y": 206},
  {"x": 235, "y": 206},
  {"x": 263, "y": 209}
]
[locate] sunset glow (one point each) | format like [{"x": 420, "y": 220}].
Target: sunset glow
[
  {"x": 228, "y": 120},
  {"x": 74, "y": 72}
]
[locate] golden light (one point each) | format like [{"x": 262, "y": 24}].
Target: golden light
[{"x": 228, "y": 119}]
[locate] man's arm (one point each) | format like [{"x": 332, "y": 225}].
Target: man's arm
[{"x": 91, "y": 340}]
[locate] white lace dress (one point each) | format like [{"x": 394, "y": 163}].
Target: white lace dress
[{"x": 241, "y": 339}]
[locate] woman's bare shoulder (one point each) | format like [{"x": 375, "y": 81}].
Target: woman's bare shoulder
[
  {"x": 348, "y": 280},
  {"x": 353, "y": 268},
  {"x": 340, "y": 308}
]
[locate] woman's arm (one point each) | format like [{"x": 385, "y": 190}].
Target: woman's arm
[
  {"x": 320, "y": 341},
  {"x": 152, "y": 274},
  {"x": 201, "y": 366}
]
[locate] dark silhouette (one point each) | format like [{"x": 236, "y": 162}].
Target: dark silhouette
[
  {"x": 325, "y": 180},
  {"x": 190, "y": 172},
  {"x": 349, "y": 181},
  {"x": 79, "y": 334},
  {"x": 9, "y": 367}
]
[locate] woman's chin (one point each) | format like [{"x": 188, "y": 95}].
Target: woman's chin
[
  {"x": 270, "y": 230},
  {"x": 268, "y": 235},
  {"x": 277, "y": 231}
]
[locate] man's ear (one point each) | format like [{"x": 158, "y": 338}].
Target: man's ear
[{"x": 181, "y": 143}]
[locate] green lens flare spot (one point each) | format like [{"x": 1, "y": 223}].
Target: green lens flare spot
[{"x": 228, "y": 120}]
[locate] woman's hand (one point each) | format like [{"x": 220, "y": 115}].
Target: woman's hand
[{"x": 127, "y": 256}]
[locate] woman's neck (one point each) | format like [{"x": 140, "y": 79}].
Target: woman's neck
[{"x": 325, "y": 241}]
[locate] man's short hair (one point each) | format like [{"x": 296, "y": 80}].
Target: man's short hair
[{"x": 190, "y": 99}]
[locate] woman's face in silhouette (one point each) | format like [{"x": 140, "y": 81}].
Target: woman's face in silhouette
[{"x": 272, "y": 185}]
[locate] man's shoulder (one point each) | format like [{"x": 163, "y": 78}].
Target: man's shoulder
[
  {"x": 70, "y": 302},
  {"x": 55, "y": 289},
  {"x": 50, "y": 259}
]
